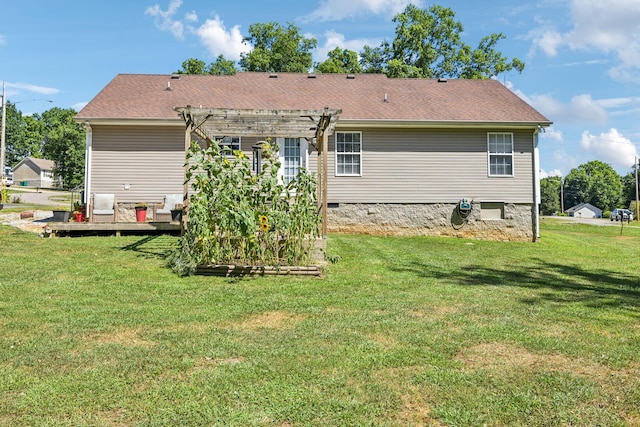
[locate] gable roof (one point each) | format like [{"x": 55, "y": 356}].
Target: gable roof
[
  {"x": 362, "y": 97},
  {"x": 39, "y": 164},
  {"x": 580, "y": 206}
]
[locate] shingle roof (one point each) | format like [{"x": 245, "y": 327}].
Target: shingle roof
[
  {"x": 361, "y": 97},
  {"x": 42, "y": 164}
]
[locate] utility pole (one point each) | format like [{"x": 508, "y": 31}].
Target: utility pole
[
  {"x": 561, "y": 194},
  {"x": 637, "y": 201},
  {"x": 2, "y": 135}
]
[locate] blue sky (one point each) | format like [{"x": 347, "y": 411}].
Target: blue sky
[{"x": 582, "y": 56}]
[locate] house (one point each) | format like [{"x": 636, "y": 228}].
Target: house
[
  {"x": 32, "y": 172},
  {"x": 584, "y": 210},
  {"x": 406, "y": 156}
]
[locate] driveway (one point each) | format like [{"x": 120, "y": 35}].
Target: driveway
[{"x": 32, "y": 196}]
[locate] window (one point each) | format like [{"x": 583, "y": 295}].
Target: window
[
  {"x": 291, "y": 159},
  {"x": 500, "y": 154},
  {"x": 228, "y": 144},
  {"x": 348, "y": 153}
]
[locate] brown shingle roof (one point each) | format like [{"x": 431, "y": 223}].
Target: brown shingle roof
[{"x": 361, "y": 97}]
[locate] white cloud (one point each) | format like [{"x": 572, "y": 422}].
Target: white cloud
[
  {"x": 552, "y": 134},
  {"x": 607, "y": 26},
  {"x": 214, "y": 35},
  {"x": 547, "y": 174},
  {"x": 41, "y": 90},
  {"x": 164, "y": 20},
  {"x": 334, "y": 39},
  {"x": 335, "y": 10},
  {"x": 79, "y": 106},
  {"x": 581, "y": 108},
  {"x": 611, "y": 147}
]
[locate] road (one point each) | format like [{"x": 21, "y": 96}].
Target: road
[
  {"x": 591, "y": 221},
  {"x": 45, "y": 197}
]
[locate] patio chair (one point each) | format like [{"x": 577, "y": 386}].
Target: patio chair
[
  {"x": 104, "y": 208},
  {"x": 163, "y": 214}
]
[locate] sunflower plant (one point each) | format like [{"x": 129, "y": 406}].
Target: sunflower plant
[{"x": 238, "y": 217}]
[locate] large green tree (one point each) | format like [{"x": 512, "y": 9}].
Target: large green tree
[
  {"x": 277, "y": 49},
  {"x": 550, "y": 195},
  {"x": 23, "y": 136},
  {"x": 428, "y": 43},
  {"x": 221, "y": 66},
  {"x": 340, "y": 61},
  {"x": 64, "y": 143},
  {"x": 594, "y": 182}
]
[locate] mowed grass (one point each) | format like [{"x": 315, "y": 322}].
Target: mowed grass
[{"x": 401, "y": 331}]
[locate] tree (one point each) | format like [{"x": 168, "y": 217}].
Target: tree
[
  {"x": 550, "y": 195},
  {"x": 193, "y": 66},
  {"x": 64, "y": 143},
  {"x": 223, "y": 67},
  {"x": 428, "y": 43},
  {"x": 219, "y": 67},
  {"x": 595, "y": 183},
  {"x": 23, "y": 136},
  {"x": 340, "y": 61},
  {"x": 277, "y": 49}
]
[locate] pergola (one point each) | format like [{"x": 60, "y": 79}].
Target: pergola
[{"x": 313, "y": 125}]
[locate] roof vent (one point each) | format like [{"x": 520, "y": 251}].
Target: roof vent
[
  {"x": 351, "y": 76},
  {"x": 311, "y": 76},
  {"x": 441, "y": 80},
  {"x": 168, "y": 86},
  {"x": 273, "y": 76},
  {"x": 175, "y": 76},
  {"x": 386, "y": 98}
]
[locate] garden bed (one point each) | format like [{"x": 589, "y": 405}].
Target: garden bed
[{"x": 252, "y": 270}]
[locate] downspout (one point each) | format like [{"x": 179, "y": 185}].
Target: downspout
[
  {"x": 536, "y": 185},
  {"x": 87, "y": 162}
]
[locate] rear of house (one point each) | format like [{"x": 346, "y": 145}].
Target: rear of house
[{"x": 408, "y": 156}]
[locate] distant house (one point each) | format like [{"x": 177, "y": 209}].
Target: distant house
[
  {"x": 584, "y": 210},
  {"x": 32, "y": 172},
  {"x": 406, "y": 157}
]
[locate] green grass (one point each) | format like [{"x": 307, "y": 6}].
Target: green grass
[{"x": 401, "y": 331}]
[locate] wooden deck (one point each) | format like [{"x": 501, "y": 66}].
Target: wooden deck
[{"x": 117, "y": 228}]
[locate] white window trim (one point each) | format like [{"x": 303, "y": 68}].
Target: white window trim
[
  {"x": 489, "y": 154},
  {"x": 336, "y": 154},
  {"x": 304, "y": 155}
]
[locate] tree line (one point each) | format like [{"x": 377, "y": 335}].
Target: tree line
[
  {"x": 595, "y": 182},
  {"x": 52, "y": 135},
  {"x": 427, "y": 44}
]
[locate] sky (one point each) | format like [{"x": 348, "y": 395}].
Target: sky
[{"x": 582, "y": 56}]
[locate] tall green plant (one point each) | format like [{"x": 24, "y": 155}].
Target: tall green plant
[{"x": 238, "y": 217}]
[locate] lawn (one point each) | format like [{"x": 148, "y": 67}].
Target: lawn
[{"x": 401, "y": 331}]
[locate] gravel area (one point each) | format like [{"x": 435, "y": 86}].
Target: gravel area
[{"x": 35, "y": 224}]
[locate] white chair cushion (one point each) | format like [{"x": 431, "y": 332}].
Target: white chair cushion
[{"x": 103, "y": 202}]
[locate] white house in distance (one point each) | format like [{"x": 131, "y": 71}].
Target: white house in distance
[
  {"x": 584, "y": 210},
  {"x": 407, "y": 156},
  {"x": 33, "y": 172}
]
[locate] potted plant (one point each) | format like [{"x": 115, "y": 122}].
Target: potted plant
[
  {"x": 79, "y": 211},
  {"x": 176, "y": 213},
  {"x": 141, "y": 212}
]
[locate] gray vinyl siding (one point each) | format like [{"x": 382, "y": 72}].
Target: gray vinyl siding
[
  {"x": 149, "y": 159},
  {"x": 430, "y": 166},
  {"x": 398, "y": 165}
]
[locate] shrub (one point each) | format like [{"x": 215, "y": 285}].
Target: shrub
[{"x": 237, "y": 217}]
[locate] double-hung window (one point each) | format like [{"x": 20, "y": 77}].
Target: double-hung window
[
  {"x": 500, "y": 152},
  {"x": 229, "y": 144},
  {"x": 348, "y": 153}
]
